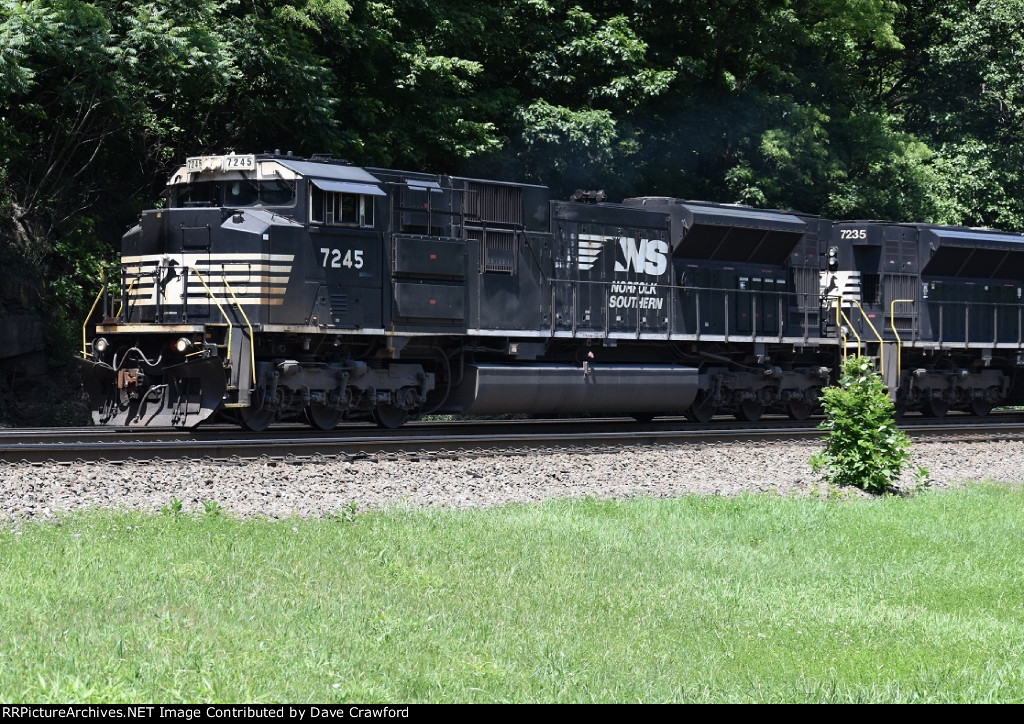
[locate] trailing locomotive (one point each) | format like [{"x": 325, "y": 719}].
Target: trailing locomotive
[{"x": 274, "y": 287}]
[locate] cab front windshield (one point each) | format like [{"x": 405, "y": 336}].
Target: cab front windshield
[{"x": 234, "y": 194}]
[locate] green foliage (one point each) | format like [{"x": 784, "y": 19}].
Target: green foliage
[
  {"x": 174, "y": 510},
  {"x": 863, "y": 108},
  {"x": 863, "y": 446},
  {"x": 845, "y": 107},
  {"x": 350, "y": 511}
]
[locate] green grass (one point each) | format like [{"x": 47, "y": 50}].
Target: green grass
[{"x": 758, "y": 598}]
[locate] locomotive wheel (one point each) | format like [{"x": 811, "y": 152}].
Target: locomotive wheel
[
  {"x": 389, "y": 417},
  {"x": 642, "y": 416},
  {"x": 980, "y": 408},
  {"x": 935, "y": 408},
  {"x": 321, "y": 417},
  {"x": 255, "y": 420},
  {"x": 800, "y": 410},
  {"x": 749, "y": 411},
  {"x": 702, "y": 409}
]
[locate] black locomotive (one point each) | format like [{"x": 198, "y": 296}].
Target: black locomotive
[{"x": 273, "y": 287}]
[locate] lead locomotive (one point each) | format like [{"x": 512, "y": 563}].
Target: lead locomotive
[{"x": 273, "y": 287}]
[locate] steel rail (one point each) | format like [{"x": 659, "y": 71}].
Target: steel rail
[
  {"x": 437, "y": 441},
  {"x": 364, "y": 429}
]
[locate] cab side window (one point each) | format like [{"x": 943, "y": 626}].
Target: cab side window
[{"x": 340, "y": 209}]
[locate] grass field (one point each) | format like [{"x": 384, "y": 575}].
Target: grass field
[{"x": 699, "y": 599}]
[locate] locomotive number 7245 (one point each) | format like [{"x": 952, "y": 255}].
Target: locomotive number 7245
[{"x": 353, "y": 258}]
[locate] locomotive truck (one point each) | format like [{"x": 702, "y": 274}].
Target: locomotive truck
[{"x": 272, "y": 287}]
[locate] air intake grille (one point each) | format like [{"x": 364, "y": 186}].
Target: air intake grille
[
  {"x": 499, "y": 251},
  {"x": 494, "y": 204}
]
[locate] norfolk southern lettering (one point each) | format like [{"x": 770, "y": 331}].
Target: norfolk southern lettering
[
  {"x": 648, "y": 256},
  {"x": 635, "y": 296}
]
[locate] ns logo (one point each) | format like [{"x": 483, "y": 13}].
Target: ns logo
[{"x": 645, "y": 256}]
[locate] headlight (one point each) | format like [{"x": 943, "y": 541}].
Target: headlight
[
  {"x": 183, "y": 345},
  {"x": 100, "y": 345}
]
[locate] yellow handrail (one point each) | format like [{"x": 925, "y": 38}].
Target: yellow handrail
[
  {"x": 252, "y": 337},
  {"x": 881, "y": 342},
  {"x": 899, "y": 342},
  {"x": 127, "y": 294},
  {"x": 227, "y": 356},
  {"x": 85, "y": 324},
  {"x": 841, "y": 313}
]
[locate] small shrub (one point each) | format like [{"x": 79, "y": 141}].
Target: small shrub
[{"x": 863, "y": 447}]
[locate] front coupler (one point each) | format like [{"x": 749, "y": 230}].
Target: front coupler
[{"x": 182, "y": 395}]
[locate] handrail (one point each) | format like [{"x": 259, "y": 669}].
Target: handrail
[
  {"x": 899, "y": 341},
  {"x": 252, "y": 336},
  {"x": 126, "y": 294},
  {"x": 840, "y": 312},
  {"x": 85, "y": 324},
  {"x": 722, "y": 300},
  {"x": 881, "y": 342},
  {"x": 227, "y": 355}
]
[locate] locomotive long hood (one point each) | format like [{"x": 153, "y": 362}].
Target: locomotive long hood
[{"x": 728, "y": 233}]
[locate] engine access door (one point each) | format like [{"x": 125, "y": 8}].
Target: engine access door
[{"x": 351, "y": 263}]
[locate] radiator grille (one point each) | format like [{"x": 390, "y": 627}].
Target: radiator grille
[
  {"x": 494, "y": 204},
  {"x": 498, "y": 249}
]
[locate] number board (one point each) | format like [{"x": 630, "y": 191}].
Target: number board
[{"x": 215, "y": 164}]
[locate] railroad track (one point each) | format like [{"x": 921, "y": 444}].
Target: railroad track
[{"x": 68, "y": 445}]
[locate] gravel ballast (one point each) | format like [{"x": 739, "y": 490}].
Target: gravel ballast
[{"x": 278, "y": 489}]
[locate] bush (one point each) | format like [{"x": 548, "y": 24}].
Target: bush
[{"x": 863, "y": 447}]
